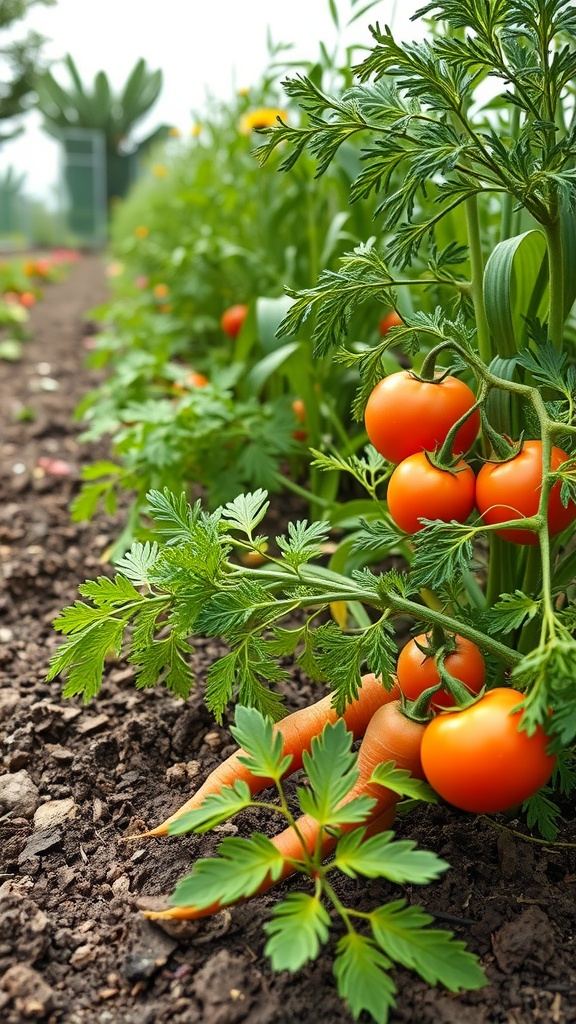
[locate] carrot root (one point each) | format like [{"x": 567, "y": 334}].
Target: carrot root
[
  {"x": 381, "y": 823},
  {"x": 390, "y": 736},
  {"x": 297, "y": 730}
]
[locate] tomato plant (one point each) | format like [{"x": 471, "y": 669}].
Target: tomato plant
[
  {"x": 417, "y": 670},
  {"x": 479, "y": 239},
  {"x": 418, "y": 490},
  {"x": 405, "y": 415},
  {"x": 232, "y": 319},
  {"x": 480, "y": 760},
  {"x": 511, "y": 490}
]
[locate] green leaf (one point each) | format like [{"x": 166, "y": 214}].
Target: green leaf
[
  {"x": 238, "y": 871},
  {"x": 331, "y": 770},
  {"x": 340, "y": 657},
  {"x": 299, "y": 926},
  {"x": 84, "y": 505},
  {"x": 269, "y": 314},
  {"x": 164, "y": 661},
  {"x": 82, "y": 659},
  {"x": 246, "y": 511},
  {"x": 108, "y": 593},
  {"x": 381, "y": 857},
  {"x": 263, "y": 744},
  {"x": 241, "y": 672},
  {"x": 303, "y": 542},
  {"x": 173, "y": 516},
  {"x": 266, "y": 367},
  {"x": 138, "y": 561},
  {"x": 360, "y": 969},
  {"x": 442, "y": 551},
  {"x": 215, "y": 808},
  {"x": 402, "y": 933},
  {"x": 399, "y": 780},
  {"x": 510, "y": 612},
  {"x": 541, "y": 812},
  {"x": 515, "y": 287}
]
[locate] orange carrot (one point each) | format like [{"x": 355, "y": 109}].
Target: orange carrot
[
  {"x": 390, "y": 736},
  {"x": 297, "y": 731}
]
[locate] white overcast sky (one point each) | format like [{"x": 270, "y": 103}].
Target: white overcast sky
[{"x": 202, "y": 47}]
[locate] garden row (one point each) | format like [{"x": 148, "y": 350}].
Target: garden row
[{"x": 371, "y": 307}]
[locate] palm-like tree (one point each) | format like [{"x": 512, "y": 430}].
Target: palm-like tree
[{"x": 98, "y": 107}]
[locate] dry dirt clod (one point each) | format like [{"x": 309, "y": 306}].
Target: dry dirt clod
[{"x": 18, "y": 793}]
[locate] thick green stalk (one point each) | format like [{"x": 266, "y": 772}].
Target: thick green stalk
[
  {"x": 509, "y": 202},
  {"x": 477, "y": 276},
  {"x": 343, "y": 589},
  {"x": 553, "y": 232}
]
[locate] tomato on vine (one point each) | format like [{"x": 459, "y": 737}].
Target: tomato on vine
[
  {"x": 418, "y": 490},
  {"x": 511, "y": 490},
  {"x": 391, "y": 319},
  {"x": 417, "y": 671},
  {"x": 405, "y": 415},
  {"x": 232, "y": 319},
  {"x": 480, "y": 760}
]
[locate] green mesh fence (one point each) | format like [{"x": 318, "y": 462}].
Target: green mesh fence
[{"x": 84, "y": 175}]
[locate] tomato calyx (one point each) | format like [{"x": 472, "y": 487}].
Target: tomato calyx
[
  {"x": 444, "y": 457},
  {"x": 445, "y": 461},
  {"x": 419, "y": 710},
  {"x": 455, "y": 687},
  {"x": 439, "y": 646},
  {"x": 503, "y": 447}
]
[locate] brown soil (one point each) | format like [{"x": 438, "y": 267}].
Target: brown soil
[{"x": 74, "y": 947}]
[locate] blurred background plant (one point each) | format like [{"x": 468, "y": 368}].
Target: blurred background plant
[
  {"x": 95, "y": 125},
  {"x": 205, "y": 229},
  {"x": 20, "y": 62}
]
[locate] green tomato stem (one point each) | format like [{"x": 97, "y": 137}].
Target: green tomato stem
[
  {"x": 553, "y": 232},
  {"x": 477, "y": 276}
]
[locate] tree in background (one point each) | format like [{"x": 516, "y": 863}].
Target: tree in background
[
  {"x": 99, "y": 107},
  {"x": 20, "y": 63}
]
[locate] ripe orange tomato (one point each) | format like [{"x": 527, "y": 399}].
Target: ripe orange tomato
[
  {"x": 405, "y": 415},
  {"x": 418, "y": 490},
  {"x": 417, "y": 672},
  {"x": 299, "y": 410},
  {"x": 391, "y": 319},
  {"x": 232, "y": 320},
  {"x": 480, "y": 761},
  {"x": 511, "y": 490}
]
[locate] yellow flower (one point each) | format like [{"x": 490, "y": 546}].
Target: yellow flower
[
  {"x": 141, "y": 231},
  {"x": 264, "y": 117},
  {"x": 244, "y": 91},
  {"x": 159, "y": 171},
  {"x": 195, "y": 130},
  {"x": 174, "y": 132},
  {"x": 160, "y": 291}
]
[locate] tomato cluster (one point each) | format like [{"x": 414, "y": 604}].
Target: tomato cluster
[
  {"x": 474, "y": 754},
  {"x": 476, "y": 758},
  {"x": 407, "y": 418}
]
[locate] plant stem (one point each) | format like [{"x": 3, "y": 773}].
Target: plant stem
[
  {"x": 553, "y": 232},
  {"x": 477, "y": 276},
  {"x": 343, "y": 589},
  {"x": 508, "y": 201}
]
